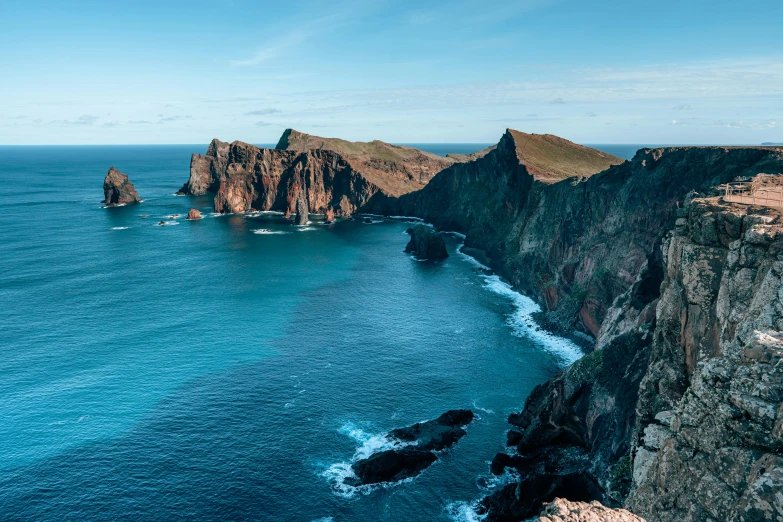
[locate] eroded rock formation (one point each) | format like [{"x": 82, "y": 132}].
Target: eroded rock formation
[
  {"x": 425, "y": 243},
  {"x": 117, "y": 189},
  {"x": 194, "y": 214},
  {"x": 335, "y": 176}
]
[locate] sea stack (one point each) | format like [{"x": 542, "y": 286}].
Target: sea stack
[
  {"x": 194, "y": 214},
  {"x": 117, "y": 189},
  {"x": 302, "y": 212},
  {"x": 426, "y": 244}
]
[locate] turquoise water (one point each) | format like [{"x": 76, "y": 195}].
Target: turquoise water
[{"x": 232, "y": 368}]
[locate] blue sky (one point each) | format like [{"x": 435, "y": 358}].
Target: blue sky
[{"x": 401, "y": 71}]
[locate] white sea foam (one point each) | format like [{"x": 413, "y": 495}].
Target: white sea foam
[
  {"x": 166, "y": 223},
  {"x": 485, "y": 410},
  {"x": 470, "y": 259},
  {"x": 464, "y": 512},
  {"x": 119, "y": 228},
  {"x": 269, "y": 232},
  {"x": 455, "y": 234},
  {"x": 523, "y": 325},
  {"x": 305, "y": 229}
]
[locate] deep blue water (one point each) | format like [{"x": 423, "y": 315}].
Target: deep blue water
[{"x": 231, "y": 368}]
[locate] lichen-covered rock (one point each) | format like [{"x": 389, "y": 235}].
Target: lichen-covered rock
[
  {"x": 425, "y": 243},
  {"x": 708, "y": 445},
  {"x": 117, "y": 189},
  {"x": 563, "y": 510}
]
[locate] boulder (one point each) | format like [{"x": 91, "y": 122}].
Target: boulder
[
  {"x": 426, "y": 244},
  {"x": 438, "y": 434},
  {"x": 117, "y": 189},
  {"x": 392, "y": 465},
  {"x": 194, "y": 214}
]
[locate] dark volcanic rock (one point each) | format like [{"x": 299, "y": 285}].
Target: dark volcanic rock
[
  {"x": 437, "y": 434},
  {"x": 425, "y": 438},
  {"x": 426, "y": 244},
  {"x": 117, "y": 189},
  {"x": 392, "y": 465}
]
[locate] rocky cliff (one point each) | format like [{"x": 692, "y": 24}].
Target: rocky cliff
[
  {"x": 594, "y": 252},
  {"x": 708, "y": 443},
  {"x": 335, "y": 177}
]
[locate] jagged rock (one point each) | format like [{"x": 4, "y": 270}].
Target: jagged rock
[
  {"x": 117, "y": 189},
  {"x": 302, "y": 212},
  {"x": 329, "y": 215},
  {"x": 339, "y": 175},
  {"x": 562, "y": 510},
  {"x": 421, "y": 441},
  {"x": 712, "y": 399},
  {"x": 426, "y": 244},
  {"x": 194, "y": 214}
]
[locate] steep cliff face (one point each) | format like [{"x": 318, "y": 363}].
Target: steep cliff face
[
  {"x": 594, "y": 252},
  {"x": 336, "y": 177},
  {"x": 577, "y": 244},
  {"x": 709, "y": 435},
  {"x": 206, "y": 171}
]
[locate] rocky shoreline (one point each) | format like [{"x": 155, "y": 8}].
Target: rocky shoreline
[{"x": 677, "y": 412}]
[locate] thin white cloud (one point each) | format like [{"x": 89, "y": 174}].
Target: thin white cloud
[
  {"x": 262, "y": 112},
  {"x": 84, "y": 119}
]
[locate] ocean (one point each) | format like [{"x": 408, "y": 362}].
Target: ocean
[{"x": 233, "y": 368}]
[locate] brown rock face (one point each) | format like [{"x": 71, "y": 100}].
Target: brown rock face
[
  {"x": 562, "y": 510},
  {"x": 194, "y": 214},
  {"x": 329, "y": 216},
  {"x": 206, "y": 171},
  {"x": 117, "y": 189},
  {"x": 394, "y": 169},
  {"x": 335, "y": 175}
]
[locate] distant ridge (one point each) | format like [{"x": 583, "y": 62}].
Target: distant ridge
[
  {"x": 549, "y": 158},
  {"x": 772, "y": 144},
  {"x": 396, "y": 169}
]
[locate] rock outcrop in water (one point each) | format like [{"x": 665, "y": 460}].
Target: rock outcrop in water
[
  {"x": 194, "y": 214},
  {"x": 421, "y": 441},
  {"x": 335, "y": 176},
  {"x": 593, "y": 252},
  {"x": 425, "y": 243},
  {"x": 117, "y": 189}
]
